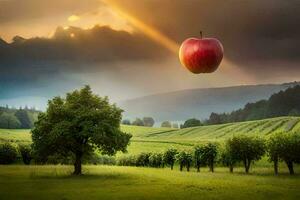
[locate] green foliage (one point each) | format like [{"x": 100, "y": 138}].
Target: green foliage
[
  {"x": 8, "y": 153},
  {"x": 198, "y": 156},
  {"x": 191, "y": 123},
  {"x": 184, "y": 159},
  {"x": 138, "y": 122},
  {"x": 9, "y": 121},
  {"x": 166, "y": 124},
  {"x": 25, "y": 151},
  {"x": 148, "y": 121},
  {"x": 142, "y": 160},
  {"x": 283, "y": 103},
  {"x": 126, "y": 122},
  {"x": 285, "y": 147},
  {"x": 209, "y": 155},
  {"x": 169, "y": 157},
  {"x": 228, "y": 157},
  {"x": 24, "y": 119},
  {"x": 156, "y": 160},
  {"x": 77, "y": 125},
  {"x": 127, "y": 160},
  {"x": 246, "y": 149}
]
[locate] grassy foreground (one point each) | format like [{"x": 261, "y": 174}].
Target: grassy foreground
[{"x": 107, "y": 182}]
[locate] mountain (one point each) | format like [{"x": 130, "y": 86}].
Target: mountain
[{"x": 199, "y": 103}]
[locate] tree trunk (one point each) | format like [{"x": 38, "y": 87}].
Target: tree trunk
[
  {"x": 276, "y": 166},
  {"x": 212, "y": 167},
  {"x": 247, "y": 165},
  {"x": 291, "y": 167},
  {"x": 188, "y": 167},
  {"x": 181, "y": 166},
  {"x": 231, "y": 168},
  {"x": 172, "y": 166},
  {"x": 77, "y": 164},
  {"x": 198, "y": 168}
]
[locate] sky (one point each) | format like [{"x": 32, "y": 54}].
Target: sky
[{"x": 129, "y": 48}]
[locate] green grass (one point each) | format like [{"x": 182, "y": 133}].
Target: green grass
[
  {"x": 147, "y": 139},
  {"x": 111, "y": 182}
]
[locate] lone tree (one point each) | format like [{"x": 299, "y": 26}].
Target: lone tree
[
  {"x": 77, "y": 125},
  {"x": 169, "y": 157}
]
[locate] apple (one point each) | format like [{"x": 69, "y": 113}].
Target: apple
[{"x": 201, "y": 55}]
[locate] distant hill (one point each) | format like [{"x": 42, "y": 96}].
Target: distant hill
[
  {"x": 199, "y": 103},
  {"x": 22, "y": 118}
]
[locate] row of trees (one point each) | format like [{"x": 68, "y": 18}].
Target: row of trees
[
  {"x": 17, "y": 118},
  {"x": 283, "y": 103},
  {"x": 146, "y": 121},
  {"x": 237, "y": 150},
  {"x": 149, "y": 122}
]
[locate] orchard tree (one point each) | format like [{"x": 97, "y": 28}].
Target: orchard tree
[
  {"x": 156, "y": 160},
  {"x": 169, "y": 157},
  {"x": 198, "y": 157},
  {"x": 227, "y": 156},
  {"x": 284, "y": 147},
  {"x": 184, "y": 159},
  {"x": 77, "y": 125},
  {"x": 143, "y": 159},
  {"x": 209, "y": 155},
  {"x": 247, "y": 149},
  {"x": 148, "y": 121}
]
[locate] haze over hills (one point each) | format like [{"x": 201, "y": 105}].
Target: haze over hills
[{"x": 199, "y": 103}]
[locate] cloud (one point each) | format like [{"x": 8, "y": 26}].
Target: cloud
[{"x": 71, "y": 48}]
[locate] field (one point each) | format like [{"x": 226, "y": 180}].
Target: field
[
  {"x": 110, "y": 182},
  {"x": 147, "y": 139},
  {"x": 113, "y": 182}
]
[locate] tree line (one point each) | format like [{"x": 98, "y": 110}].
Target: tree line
[
  {"x": 241, "y": 149},
  {"x": 22, "y": 118},
  {"x": 283, "y": 103}
]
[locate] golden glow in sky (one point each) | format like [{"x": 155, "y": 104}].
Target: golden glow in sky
[
  {"x": 73, "y": 18},
  {"x": 151, "y": 32}
]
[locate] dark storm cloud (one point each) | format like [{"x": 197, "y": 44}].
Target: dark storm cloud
[
  {"x": 253, "y": 32},
  {"x": 76, "y": 49}
]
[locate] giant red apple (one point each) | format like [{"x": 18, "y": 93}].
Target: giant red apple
[{"x": 201, "y": 55}]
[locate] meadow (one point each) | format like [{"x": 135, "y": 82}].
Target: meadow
[
  {"x": 119, "y": 182},
  {"x": 113, "y": 182},
  {"x": 152, "y": 139}
]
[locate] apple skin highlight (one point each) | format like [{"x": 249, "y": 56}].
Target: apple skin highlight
[{"x": 201, "y": 55}]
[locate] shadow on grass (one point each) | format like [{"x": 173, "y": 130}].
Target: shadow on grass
[{"x": 56, "y": 174}]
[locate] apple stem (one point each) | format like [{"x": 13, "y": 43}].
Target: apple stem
[{"x": 200, "y": 34}]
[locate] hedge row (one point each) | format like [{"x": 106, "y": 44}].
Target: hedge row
[{"x": 241, "y": 149}]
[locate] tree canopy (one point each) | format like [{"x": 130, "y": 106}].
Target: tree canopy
[{"x": 77, "y": 125}]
